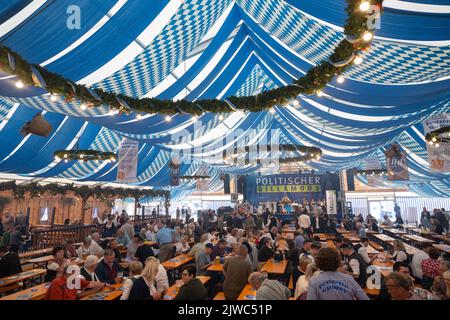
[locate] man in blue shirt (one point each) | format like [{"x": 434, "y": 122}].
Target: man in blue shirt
[
  {"x": 165, "y": 238},
  {"x": 299, "y": 239}
]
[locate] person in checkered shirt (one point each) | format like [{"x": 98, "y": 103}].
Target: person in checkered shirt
[{"x": 430, "y": 268}]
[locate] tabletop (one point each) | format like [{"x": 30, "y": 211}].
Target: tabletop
[
  {"x": 384, "y": 237},
  {"x": 33, "y": 253},
  {"x": 216, "y": 267},
  {"x": 443, "y": 247},
  {"x": 38, "y": 260},
  {"x": 151, "y": 243},
  {"x": 288, "y": 229},
  {"x": 21, "y": 276},
  {"x": 418, "y": 238},
  {"x": 248, "y": 293},
  {"x": 106, "y": 293},
  {"x": 34, "y": 293},
  {"x": 274, "y": 267},
  {"x": 342, "y": 230},
  {"x": 385, "y": 267},
  {"x": 173, "y": 290},
  {"x": 371, "y": 250},
  {"x": 395, "y": 231},
  {"x": 410, "y": 249},
  {"x": 177, "y": 262},
  {"x": 351, "y": 237}
]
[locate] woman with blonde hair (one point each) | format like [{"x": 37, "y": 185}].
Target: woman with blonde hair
[
  {"x": 307, "y": 267},
  {"x": 135, "y": 268},
  {"x": 144, "y": 287},
  {"x": 399, "y": 254}
]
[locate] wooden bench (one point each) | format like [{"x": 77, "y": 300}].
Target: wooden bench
[
  {"x": 220, "y": 296},
  {"x": 10, "y": 288}
]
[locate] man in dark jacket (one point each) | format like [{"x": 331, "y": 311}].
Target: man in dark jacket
[
  {"x": 9, "y": 262},
  {"x": 108, "y": 268},
  {"x": 192, "y": 288}
]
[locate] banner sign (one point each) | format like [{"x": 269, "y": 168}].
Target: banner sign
[
  {"x": 203, "y": 184},
  {"x": 438, "y": 157},
  {"x": 396, "y": 164},
  {"x": 297, "y": 187},
  {"x": 128, "y": 159},
  {"x": 375, "y": 180},
  {"x": 174, "y": 167},
  {"x": 331, "y": 202}
]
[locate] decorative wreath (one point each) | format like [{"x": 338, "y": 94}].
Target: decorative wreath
[
  {"x": 436, "y": 136},
  {"x": 348, "y": 51},
  {"x": 84, "y": 155}
]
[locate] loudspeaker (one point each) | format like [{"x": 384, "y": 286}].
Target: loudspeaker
[
  {"x": 226, "y": 184},
  {"x": 350, "y": 180}
]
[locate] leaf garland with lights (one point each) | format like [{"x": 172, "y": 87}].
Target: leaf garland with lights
[
  {"x": 85, "y": 155},
  {"x": 435, "y": 136},
  {"x": 347, "y": 51},
  {"x": 195, "y": 177},
  {"x": 370, "y": 172},
  {"x": 99, "y": 192}
]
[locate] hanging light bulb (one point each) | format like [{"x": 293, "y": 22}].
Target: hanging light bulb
[
  {"x": 434, "y": 139},
  {"x": 364, "y": 5},
  {"x": 367, "y": 36},
  {"x": 65, "y": 155},
  {"x": 139, "y": 116},
  {"x": 57, "y": 158},
  {"x": 83, "y": 106},
  {"x": 113, "y": 159},
  {"x": 295, "y": 103},
  {"x": 437, "y": 145},
  {"x": 340, "y": 79},
  {"x": 319, "y": 93},
  {"x": 53, "y": 97},
  {"x": 81, "y": 156},
  {"x": 19, "y": 84},
  {"x": 272, "y": 110},
  {"x": 66, "y": 161},
  {"x": 168, "y": 118},
  {"x": 113, "y": 112},
  {"x": 221, "y": 117},
  {"x": 431, "y": 143},
  {"x": 194, "y": 118},
  {"x": 357, "y": 60}
]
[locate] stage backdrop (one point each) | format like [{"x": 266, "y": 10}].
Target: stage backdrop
[{"x": 296, "y": 186}]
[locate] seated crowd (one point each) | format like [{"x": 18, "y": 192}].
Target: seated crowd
[{"x": 243, "y": 243}]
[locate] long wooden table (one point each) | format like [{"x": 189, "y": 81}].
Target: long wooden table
[
  {"x": 34, "y": 293},
  {"x": 106, "y": 293},
  {"x": 216, "y": 267},
  {"x": 440, "y": 237},
  {"x": 384, "y": 238},
  {"x": 385, "y": 267},
  {"x": 177, "y": 262},
  {"x": 173, "y": 290},
  {"x": 248, "y": 293},
  {"x": 442, "y": 247},
  {"x": 351, "y": 237},
  {"x": 274, "y": 267},
  {"x": 35, "y": 253},
  {"x": 21, "y": 277},
  {"x": 418, "y": 239}
]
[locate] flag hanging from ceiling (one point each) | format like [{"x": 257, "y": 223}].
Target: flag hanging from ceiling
[
  {"x": 375, "y": 180},
  {"x": 438, "y": 153},
  {"x": 128, "y": 158},
  {"x": 396, "y": 165},
  {"x": 202, "y": 184}
]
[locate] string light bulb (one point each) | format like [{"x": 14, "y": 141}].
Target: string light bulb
[
  {"x": 364, "y": 6},
  {"x": 357, "y": 60},
  {"x": 53, "y": 97},
  {"x": 168, "y": 119},
  {"x": 437, "y": 145},
  {"x": 272, "y": 110},
  {"x": 194, "y": 118},
  {"x": 434, "y": 139},
  {"x": 19, "y": 84},
  {"x": 295, "y": 103},
  {"x": 340, "y": 79},
  {"x": 319, "y": 93},
  {"x": 221, "y": 117},
  {"x": 367, "y": 36},
  {"x": 139, "y": 116},
  {"x": 83, "y": 106}
]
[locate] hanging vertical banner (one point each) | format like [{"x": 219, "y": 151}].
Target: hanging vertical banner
[
  {"x": 397, "y": 168},
  {"x": 438, "y": 154},
  {"x": 174, "y": 166},
  {"x": 374, "y": 180},
  {"x": 202, "y": 184},
  {"x": 331, "y": 202},
  {"x": 128, "y": 159}
]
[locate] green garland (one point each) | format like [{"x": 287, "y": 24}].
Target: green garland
[
  {"x": 316, "y": 78},
  {"x": 103, "y": 193},
  {"x": 84, "y": 155},
  {"x": 435, "y": 136},
  {"x": 370, "y": 172},
  {"x": 195, "y": 177}
]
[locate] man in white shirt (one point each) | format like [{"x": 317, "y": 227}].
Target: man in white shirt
[
  {"x": 128, "y": 229},
  {"x": 416, "y": 262},
  {"x": 304, "y": 221},
  {"x": 363, "y": 251}
]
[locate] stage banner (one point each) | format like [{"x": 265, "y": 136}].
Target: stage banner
[
  {"x": 128, "y": 159},
  {"x": 375, "y": 180},
  {"x": 297, "y": 187},
  {"x": 438, "y": 157},
  {"x": 396, "y": 165},
  {"x": 331, "y": 202},
  {"x": 202, "y": 184}
]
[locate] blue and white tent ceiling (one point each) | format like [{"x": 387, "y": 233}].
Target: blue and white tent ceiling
[{"x": 194, "y": 49}]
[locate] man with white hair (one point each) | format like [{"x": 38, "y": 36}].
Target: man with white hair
[
  {"x": 268, "y": 289},
  {"x": 95, "y": 246}
]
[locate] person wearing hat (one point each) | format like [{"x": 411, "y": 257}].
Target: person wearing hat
[
  {"x": 354, "y": 264},
  {"x": 203, "y": 261},
  {"x": 312, "y": 251}
]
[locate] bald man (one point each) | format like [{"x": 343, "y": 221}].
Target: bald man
[{"x": 236, "y": 271}]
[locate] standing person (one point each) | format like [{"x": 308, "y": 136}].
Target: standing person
[
  {"x": 249, "y": 223},
  {"x": 22, "y": 222},
  {"x": 166, "y": 239},
  {"x": 344, "y": 287},
  {"x": 304, "y": 222},
  {"x": 9, "y": 262},
  {"x": 318, "y": 224},
  {"x": 268, "y": 289},
  {"x": 266, "y": 215},
  {"x": 425, "y": 218},
  {"x": 128, "y": 228},
  {"x": 398, "y": 216},
  {"x": 15, "y": 240},
  {"x": 109, "y": 229},
  {"x": 177, "y": 213},
  {"x": 236, "y": 271}
]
